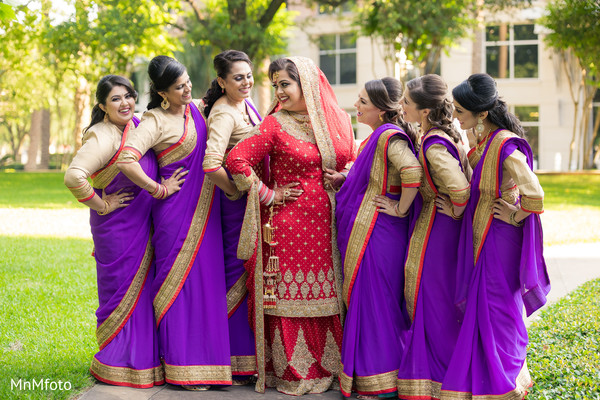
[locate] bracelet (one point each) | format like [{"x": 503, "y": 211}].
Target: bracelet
[
  {"x": 106, "y": 208},
  {"x": 513, "y": 221},
  {"x": 454, "y": 215},
  {"x": 397, "y": 209},
  {"x": 161, "y": 192}
]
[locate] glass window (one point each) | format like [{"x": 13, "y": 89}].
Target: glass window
[
  {"x": 511, "y": 51},
  {"x": 337, "y": 58},
  {"x": 530, "y": 119}
]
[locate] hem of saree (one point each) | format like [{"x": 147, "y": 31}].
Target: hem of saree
[
  {"x": 176, "y": 277},
  {"x": 115, "y": 322},
  {"x": 419, "y": 389},
  {"x": 384, "y": 382},
  {"x": 236, "y": 294},
  {"x": 301, "y": 387},
  {"x": 366, "y": 217},
  {"x": 522, "y": 383},
  {"x": 243, "y": 365},
  {"x": 124, "y": 376},
  {"x": 198, "y": 374}
]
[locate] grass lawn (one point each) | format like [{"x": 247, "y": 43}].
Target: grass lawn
[
  {"x": 564, "y": 192},
  {"x": 47, "y": 328},
  {"x": 35, "y": 190}
]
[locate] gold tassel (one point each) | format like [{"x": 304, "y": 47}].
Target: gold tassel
[{"x": 271, "y": 271}]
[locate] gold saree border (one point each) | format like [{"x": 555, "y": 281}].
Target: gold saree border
[
  {"x": 83, "y": 192},
  {"x": 198, "y": 374},
  {"x": 185, "y": 259},
  {"x": 124, "y": 376},
  {"x": 488, "y": 189},
  {"x": 366, "y": 216},
  {"x": 305, "y": 308},
  {"x": 369, "y": 385},
  {"x": 522, "y": 383},
  {"x": 107, "y": 331},
  {"x": 236, "y": 294},
  {"x": 105, "y": 175},
  {"x": 419, "y": 389},
  {"x": 243, "y": 365}
]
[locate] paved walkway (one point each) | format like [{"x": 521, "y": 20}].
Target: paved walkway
[{"x": 568, "y": 266}]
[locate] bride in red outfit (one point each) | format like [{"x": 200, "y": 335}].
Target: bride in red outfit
[{"x": 289, "y": 234}]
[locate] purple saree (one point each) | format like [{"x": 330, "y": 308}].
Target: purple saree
[
  {"x": 241, "y": 337},
  {"x": 501, "y": 269},
  {"x": 125, "y": 332},
  {"x": 189, "y": 288},
  {"x": 373, "y": 248},
  {"x": 430, "y": 284}
]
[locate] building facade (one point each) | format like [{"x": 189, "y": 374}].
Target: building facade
[{"x": 510, "y": 48}]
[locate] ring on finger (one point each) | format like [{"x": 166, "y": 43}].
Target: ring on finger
[
  {"x": 120, "y": 201},
  {"x": 287, "y": 193}
]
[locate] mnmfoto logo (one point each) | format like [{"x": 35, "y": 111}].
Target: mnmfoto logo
[{"x": 41, "y": 384}]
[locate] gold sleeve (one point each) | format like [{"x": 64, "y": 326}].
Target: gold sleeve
[
  {"x": 447, "y": 174},
  {"x": 220, "y": 127},
  {"x": 401, "y": 156},
  {"x": 532, "y": 194},
  {"x": 96, "y": 151},
  {"x": 142, "y": 138}
]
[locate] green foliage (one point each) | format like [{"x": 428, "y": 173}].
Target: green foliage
[
  {"x": 422, "y": 28},
  {"x": 6, "y": 12},
  {"x": 259, "y": 28},
  {"x": 48, "y": 299},
  {"x": 574, "y": 26},
  {"x": 564, "y": 350}
]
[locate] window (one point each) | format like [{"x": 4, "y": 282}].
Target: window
[
  {"x": 511, "y": 51},
  {"x": 337, "y": 58},
  {"x": 530, "y": 120}
]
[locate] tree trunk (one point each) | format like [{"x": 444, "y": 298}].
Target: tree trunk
[
  {"x": 45, "y": 159},
  {"x": 35, "y": 132},
  {"x": 573, "y": 144},
  {"x": 479, "y": 33},
  {"x": 83, "y": 113},
  {"x": 264, "y": 88}
]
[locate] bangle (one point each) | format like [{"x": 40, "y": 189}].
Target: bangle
[
  {"x": 513, "y": 221},
  {"x": 106, "y": 207},
  {"x": 160, "y": 192},
  {"x": 454, "y": 215},
  {"x": 397, "y": 209}
]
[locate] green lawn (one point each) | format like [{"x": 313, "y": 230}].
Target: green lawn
[
  {"x": 563, "y": 192},
  {"x": 35, "y": 190},
  {"x": 47, "y": 328}
]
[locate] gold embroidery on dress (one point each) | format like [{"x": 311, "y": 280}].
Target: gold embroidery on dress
[
  {"x": 106, "y": 331},
  {"x": 82, "y": 192},
  {"x": 182, "y": 150},
  {"x": 419, "y": 388},
  {"x": 322, "y": 307},
  {"x": 237, "y": 292},
  {"x": 278, "y": 355},
  {"x": 296, "y": 125},
  {"x": 302, "y": 358},
  {"x": 139, "y": 377},
  {"x": 181, "y": 264},
  {"x": 198, "y": 373},
  {"x": 243, "y": 364},
  {"x": 105, "y": 177},
  {"x": 331, "y": 359}
]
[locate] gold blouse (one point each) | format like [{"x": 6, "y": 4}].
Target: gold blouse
[
  {"x": 226, "y": 126},
  {"x": 157, "y": 130},
  {"x": 100, "y": 143},
  {"x": 443, "y": 169},
  {"x": 404, "y": 170}
]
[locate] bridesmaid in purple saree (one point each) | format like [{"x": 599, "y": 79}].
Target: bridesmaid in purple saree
[
  {"x": 430, "y": 268},
  {"x": 231, "y": 115},
  {"x": 501, "y": 266},
  {"x": 121, "y": 230},
  {"x": 372, "y": 214},
  {"x": 189, "y": 287}
]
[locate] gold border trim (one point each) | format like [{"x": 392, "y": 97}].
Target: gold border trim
[
  {"x": 198, "y": 374},
  {"x": 123, "y": 376},
  {"x": 372, "y": 384},
  {"x": 236, "y": 294},
  {"x": 120, "y": 315},
  {"x": 243, "y": 365},
  {"x": 419, "y": 388}
]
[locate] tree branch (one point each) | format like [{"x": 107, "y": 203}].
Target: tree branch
[
  {"x": 198, "y": 12},
  {"x": 270, "y": 12}
]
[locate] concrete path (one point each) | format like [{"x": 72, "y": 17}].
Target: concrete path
[{"x": 568, "y": 266}]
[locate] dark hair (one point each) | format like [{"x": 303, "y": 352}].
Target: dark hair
[
  {"x": 478, "y": 93},
  {"x": 430, "y": 91},
  {"x": 287, "y": 65},
  {"x": 105, "y": 85},
  {"x": 385, "y": 94},
  {"x": 163, "y": 72},
  {"x": 222, "y": 64}
]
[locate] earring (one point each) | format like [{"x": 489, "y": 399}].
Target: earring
[
  {"x": 222, "y": 89},
  {"x": 479, "y": 128},
  {"x": 380, "y": 118},
  {"x": 165, "y": 104}
]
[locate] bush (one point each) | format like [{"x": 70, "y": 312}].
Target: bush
[{"x": 564, "y": 347}]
